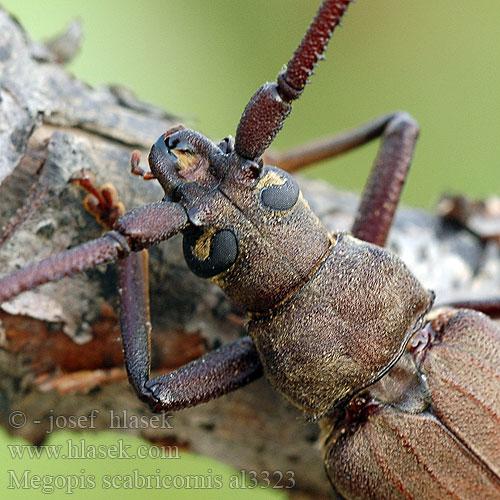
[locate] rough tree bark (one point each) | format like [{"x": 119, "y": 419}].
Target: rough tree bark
[{"x": 59, "y": 345}]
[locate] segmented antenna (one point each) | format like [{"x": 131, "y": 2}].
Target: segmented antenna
[{"x": 268, "y": 108}]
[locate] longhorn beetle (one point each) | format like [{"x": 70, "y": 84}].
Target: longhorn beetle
[{"x": 337, "y": 323}]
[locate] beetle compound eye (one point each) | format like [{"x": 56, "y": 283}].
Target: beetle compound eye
[
  {"x": 281, "y": 191},
  {"x": 209, "y": 252}
]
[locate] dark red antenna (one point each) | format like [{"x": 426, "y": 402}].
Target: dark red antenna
[{"x": 268, "y": 108}]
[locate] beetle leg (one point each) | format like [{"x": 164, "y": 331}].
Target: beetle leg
[
  {"x": 328, "y": 147},
  {"x": 399, "y": 133},
  {"x": 490, "y": 307},
  {"x": 385, "y": 183},
  {"x": 102, "y": 202},
  {"x": 223, "y": 370},
  {"x": 219, "y": 372},
  {"x": 134, "y": 315}
]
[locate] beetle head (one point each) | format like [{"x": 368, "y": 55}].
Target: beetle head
[{"x": 246, "y": 219}]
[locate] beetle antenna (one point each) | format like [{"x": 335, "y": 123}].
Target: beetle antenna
[{"x": 268, "y": 108}]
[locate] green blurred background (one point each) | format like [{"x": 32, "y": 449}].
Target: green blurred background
[{"x": 202, "y": 60}]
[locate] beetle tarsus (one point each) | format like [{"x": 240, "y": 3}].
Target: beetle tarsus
[{"x": 101, "y": 202}]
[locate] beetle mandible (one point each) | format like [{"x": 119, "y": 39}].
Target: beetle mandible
[{"x": 329, "y": 324}]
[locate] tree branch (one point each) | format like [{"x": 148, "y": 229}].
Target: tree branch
[{"x": 60, "y": 349}]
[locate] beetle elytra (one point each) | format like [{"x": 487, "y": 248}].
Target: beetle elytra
[{"x": 329, "y": 321}]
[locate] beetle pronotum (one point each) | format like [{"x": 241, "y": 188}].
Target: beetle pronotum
[{"x": 329, "y": 325}]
